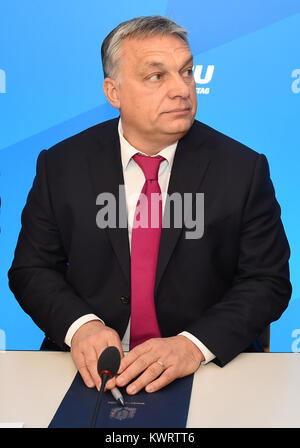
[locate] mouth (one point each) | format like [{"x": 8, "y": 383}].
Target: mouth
[{"x": 186, "y": 110}]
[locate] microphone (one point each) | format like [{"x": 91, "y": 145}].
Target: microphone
[{"x": 108, "y": 365}]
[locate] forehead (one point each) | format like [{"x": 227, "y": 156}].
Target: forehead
[{"x": 145, "y": 50}]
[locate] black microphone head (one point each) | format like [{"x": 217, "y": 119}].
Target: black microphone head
[{"x": 109, "y": 361}]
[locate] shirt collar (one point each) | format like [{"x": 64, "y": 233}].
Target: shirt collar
[{"x": 128, "y": 151}]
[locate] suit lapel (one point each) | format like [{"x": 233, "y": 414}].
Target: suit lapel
[
  {"x": 105, "y": 167},
  {"x": 190, "y": 165}
]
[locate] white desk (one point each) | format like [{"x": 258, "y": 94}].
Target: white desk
[{"x": 253, "y": 390}]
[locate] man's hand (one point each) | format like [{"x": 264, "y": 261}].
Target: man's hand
[
  {"x": 87, "y": 344},
  {"x": 158, "y": 362}
]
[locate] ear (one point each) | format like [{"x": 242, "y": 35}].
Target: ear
[{"x": 111, "y": 90}]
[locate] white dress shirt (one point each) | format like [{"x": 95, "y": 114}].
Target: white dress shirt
[{"x": 134, "y": 180}]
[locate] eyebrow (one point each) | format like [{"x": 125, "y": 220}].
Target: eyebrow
[{"x": 156, "y": 64}]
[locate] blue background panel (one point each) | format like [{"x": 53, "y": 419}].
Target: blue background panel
[{"x": 51, "y": 87}]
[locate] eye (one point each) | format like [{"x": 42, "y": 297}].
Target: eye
[
  {"x": 188, "y": 73},
  {"x": 155, "y": 77}
]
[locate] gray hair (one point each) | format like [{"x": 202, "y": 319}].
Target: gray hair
[{"x": 139, "y": 26}]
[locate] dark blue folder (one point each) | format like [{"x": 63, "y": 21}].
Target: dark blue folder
[{"x": 167, "y": 408}]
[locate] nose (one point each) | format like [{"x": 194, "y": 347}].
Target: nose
[{"x": 178, "y": 87}]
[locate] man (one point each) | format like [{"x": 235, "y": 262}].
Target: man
[{"x": 212, "y": 294}]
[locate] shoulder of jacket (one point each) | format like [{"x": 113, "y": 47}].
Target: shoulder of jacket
[
  {"x": 87, "y": 137},
  {"x": 224, "y": 145}
]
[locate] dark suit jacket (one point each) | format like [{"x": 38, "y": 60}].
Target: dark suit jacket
[{"x": 224, "y": 288}]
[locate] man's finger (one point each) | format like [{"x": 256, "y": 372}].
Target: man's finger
[
  {"x": 153, "y": 371},
  {"x": 134, "y": 354},
  {"x": 110, "y": 384},
  {"x": 135, "y": 365},
  {"x": 165, "y": 378},
  {"x": 86, "y": 362},
  {"x": 80, "y": 363},
  {"x": 86, "y": 376},
  {"x": 127, "y": 360},
  {"x": 91, "y": 362}
]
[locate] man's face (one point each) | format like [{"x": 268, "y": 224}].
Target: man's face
[{"x": 157, "y": 94}]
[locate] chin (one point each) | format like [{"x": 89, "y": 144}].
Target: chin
[{"x": 181, "y": 126}]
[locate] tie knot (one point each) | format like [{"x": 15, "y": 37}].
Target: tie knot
[{"x": 149, "y": 165}]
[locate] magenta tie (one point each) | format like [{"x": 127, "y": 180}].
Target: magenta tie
[{"x": 145, "y": 240}]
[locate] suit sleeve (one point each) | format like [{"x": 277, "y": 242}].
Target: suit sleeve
[
  {"x": 37, "y": 274},
  {"x": 261, "y": 288}
]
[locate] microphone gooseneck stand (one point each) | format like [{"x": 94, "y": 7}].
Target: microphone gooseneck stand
[
  {"x": 105, "y": 378},
  {"x": 108, "y": 365}
]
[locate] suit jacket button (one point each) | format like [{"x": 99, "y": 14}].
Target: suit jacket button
[{"x": 125, "y": 300}]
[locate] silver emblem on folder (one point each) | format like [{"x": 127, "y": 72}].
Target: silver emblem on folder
[{"x": 122, "y": 413}]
